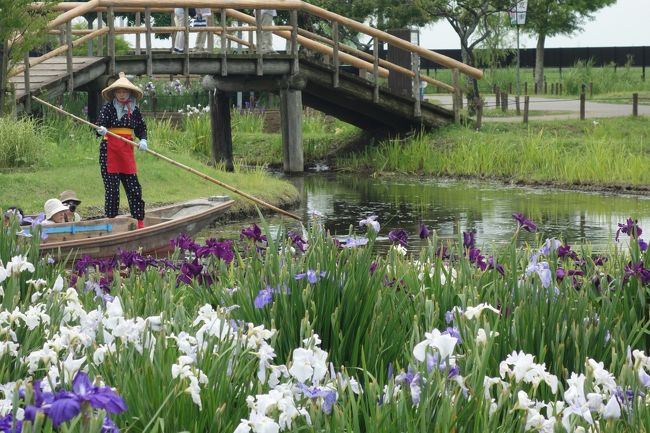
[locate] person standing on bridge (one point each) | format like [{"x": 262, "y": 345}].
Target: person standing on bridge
[
  {"x": 266, "y": 20},
  {"x": 121, "y": 116},
  {"x": 201, "y": 21}
]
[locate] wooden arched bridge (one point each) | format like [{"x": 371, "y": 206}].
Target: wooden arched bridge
[{"x": 308, "y": 73}]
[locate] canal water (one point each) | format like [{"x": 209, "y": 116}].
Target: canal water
[{"x": 450, "y": 207}]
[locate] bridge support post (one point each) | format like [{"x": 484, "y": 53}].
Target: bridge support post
[
  {"x": 291, "y": 121},
  {"x": 221, "y": 128}
]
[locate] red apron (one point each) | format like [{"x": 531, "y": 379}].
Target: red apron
[{"x": 120, "y": 156}]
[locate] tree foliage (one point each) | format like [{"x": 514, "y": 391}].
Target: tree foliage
[
  {"x": 546, "y": 18},
  {"x": 22, "y": 28}
]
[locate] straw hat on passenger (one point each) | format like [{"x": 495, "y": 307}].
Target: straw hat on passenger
[
  {"x": 69, "y": 196},
  {"x": 53, "y": 206},
  {"x": 122, "y": 83}
]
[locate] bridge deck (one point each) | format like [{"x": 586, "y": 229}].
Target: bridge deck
[
  {"x": 351, "y": 100},
  {"x": 50, "y": 72}
]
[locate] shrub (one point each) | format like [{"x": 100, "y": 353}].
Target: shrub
[{"x": 21, "y": 142}]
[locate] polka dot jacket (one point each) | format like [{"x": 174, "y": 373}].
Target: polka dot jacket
[{"x": 108, "y": 118}]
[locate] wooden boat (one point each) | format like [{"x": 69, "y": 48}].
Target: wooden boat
[{"x": 105, "y": 236}]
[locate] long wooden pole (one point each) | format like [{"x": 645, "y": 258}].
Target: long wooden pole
[{"x": 177, "y": 164}]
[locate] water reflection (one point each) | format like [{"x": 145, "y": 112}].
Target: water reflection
[{"x": 451, "y": 207}]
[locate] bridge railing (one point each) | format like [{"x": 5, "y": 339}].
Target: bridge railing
[{"x": 332, "y": 47}]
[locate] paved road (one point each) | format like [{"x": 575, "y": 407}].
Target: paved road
[{"x": 571, "y": 107}]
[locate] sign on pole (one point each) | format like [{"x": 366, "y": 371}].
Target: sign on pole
[{"x": 518, "y": 12}]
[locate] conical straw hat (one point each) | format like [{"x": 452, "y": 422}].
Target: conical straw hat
[{"x": 122, "y": 83}]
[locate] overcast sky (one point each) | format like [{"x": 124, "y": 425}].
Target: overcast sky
[{"x": 626, "y": 23}]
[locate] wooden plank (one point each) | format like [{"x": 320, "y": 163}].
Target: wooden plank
[{"x": 147, "y": 20}]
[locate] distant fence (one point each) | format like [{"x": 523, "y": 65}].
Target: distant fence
[{"x": 565, "y": 57}]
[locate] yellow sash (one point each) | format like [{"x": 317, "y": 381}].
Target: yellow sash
[{"x": 120, "y": 131}]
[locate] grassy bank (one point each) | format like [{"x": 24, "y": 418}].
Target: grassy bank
[
  {"x": 60, "y": 155},
  {"x": 603, "y": 153}
]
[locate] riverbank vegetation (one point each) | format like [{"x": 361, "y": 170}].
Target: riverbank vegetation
[
  {"x": 304, "y": 332},
  {"x": 603, "y": 80},
  {"x": 601, "y": 153}
]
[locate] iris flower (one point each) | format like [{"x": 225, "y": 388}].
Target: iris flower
[
  {"x": 469, "y": 240},
  {"x": 399, "y": 236},
  {"x": 312, "y": 276},
  {"x": 629, "y": 228},
  {"x": 371, "y": 221},
  {"x": 67, "y": 405},
  {"x": 524, "y": 222},
  {"x": 424, "y": 231},
  {"x": 353, "y": 242},
  {"x": 189, "y": 270},
  {"x": 253, "y": 232},
  {"x": 6, "y": 424},
  {"x": 542, "y": 270},
  {"x": 264, "y": 297},
  {"x": 298, "y": 241}
]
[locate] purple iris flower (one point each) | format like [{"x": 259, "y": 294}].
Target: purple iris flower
[
  {"x": 637, "y": 270},
  {"x": 453, "y": 332},
  {"x": 83, "y": 263},
  {"x": 399, "y": 236},
  {"x": 560, "y": 273},
  {"x": 564, "y": 251},
  {"x": 264, "y": 297},
  {"x": 133, "y": 258},
  {"x": 298, "y": 241},
  {"x": 413, "y": 381},
  {"x": 496, "y": 266},
  {"x": 373, "y": 267},
  {"x": 184, "y": 242},
  {"x": 221, "y": 250},
  {"x": 476, "y": 258},
  {"x": 109, "y": 426},
  {"x": 328, "y": 396},
  {"x": 254, "y": 233},
  {"x": 600, "y": 260},
  {"x": 643, "y": 245},
  {"x": 630, "y": 228},
  {"x": 189, "y": 270},
  {"x": 524, "y": 222},
  {"x": 7, "y": 424},
  {"x": 424, "y": 231},
  {"x": 442, "y": 252},
  {"x": 451, "y": 314},
  {"x": 67, "y": 405},
  {"x": 312, "y": 276},
  {"x": 469, "y": 241}
]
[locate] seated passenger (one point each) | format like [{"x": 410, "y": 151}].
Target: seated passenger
[
  {"x": 13, "y": 210},
  {"x": 69, "y": 199},
  {"x": 55, "y": 212}
]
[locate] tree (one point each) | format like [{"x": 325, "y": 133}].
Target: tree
[
  {"x": 545, "y": 18},
  {"x": 472, "y": 20},
  {"x": 22, "y": 27}
]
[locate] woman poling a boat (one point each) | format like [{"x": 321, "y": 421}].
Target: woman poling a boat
[{"x": 121, "y": 116}]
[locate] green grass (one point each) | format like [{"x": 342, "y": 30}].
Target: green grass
[{"x": 606, "y": 152}]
